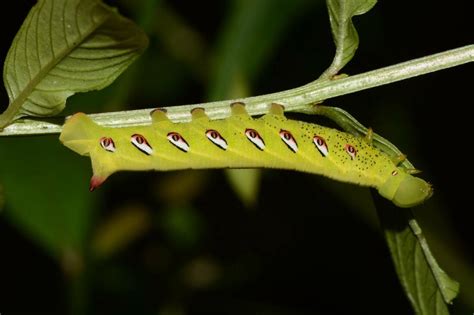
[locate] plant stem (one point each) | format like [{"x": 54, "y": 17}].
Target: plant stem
[{"x": 299, "y": 99}]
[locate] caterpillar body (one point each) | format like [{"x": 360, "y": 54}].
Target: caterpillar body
[{"x": 240, "y": 141}]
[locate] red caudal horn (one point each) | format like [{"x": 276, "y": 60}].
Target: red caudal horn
[{"x": 95, "y": 182}]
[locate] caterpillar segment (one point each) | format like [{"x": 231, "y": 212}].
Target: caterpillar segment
[{"x": 240, "y": 141}]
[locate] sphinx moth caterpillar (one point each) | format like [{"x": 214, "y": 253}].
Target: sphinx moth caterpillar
[{"x": 240, "y": 141}]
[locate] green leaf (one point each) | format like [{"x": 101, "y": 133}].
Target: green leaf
[
  {"x": 65, "y": 47},
  {"x": 246, "y": 184},
  {"x": 427, "y": 286},
  {"x": 46, "y": 194},
  {"x": 343, "y": 31}
]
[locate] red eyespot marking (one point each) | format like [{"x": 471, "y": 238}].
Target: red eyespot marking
[
  {"x": 395, "y": 173},
  {"x": 289, "y": 140},
  {"x": 178, "y": 141},
  {"x": 141, "y": 144},
  {"x": 351, "y": 150},
  {"x": 255, "y": 138},
  {"x": 215, "y": 137},
  {"x": 107, "y": 144},
  {"x": 321, "y": 145}
]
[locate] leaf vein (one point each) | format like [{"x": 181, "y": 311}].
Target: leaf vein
[
  {"x": 37, "y": 35},
  {"x": 63, "y": 15},
  {"x": 50, "y": 30},
  {"x": 27, "y": 48}
]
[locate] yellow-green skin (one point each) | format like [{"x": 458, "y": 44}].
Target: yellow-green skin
[{"x": 367, "y": 167}]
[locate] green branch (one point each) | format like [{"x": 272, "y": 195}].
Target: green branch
[{"x": 299, "y": 99}]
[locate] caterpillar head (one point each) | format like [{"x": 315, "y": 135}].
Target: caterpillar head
[{"x": 405, "y": 190}]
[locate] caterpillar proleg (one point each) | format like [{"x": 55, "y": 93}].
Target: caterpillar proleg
[{"x": 240, "y": 141}]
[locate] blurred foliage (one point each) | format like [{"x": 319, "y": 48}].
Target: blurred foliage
[
  {"x": 251, "y": 32},
  {"x": 120, "y": 230},
  {"x": 55, "y": 215},
  {"x": 180, "y": 242}
]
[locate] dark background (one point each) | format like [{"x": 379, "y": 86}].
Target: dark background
[{"x": 307, "y": 246}]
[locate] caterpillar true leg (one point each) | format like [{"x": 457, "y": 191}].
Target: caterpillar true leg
[
  {"x": 369, "y": 136},
  {"x": 413, "y": 171},
  {"x": 397, "y": 160}
]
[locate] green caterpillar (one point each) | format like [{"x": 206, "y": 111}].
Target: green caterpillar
[{"x": 241, "y": 141}]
